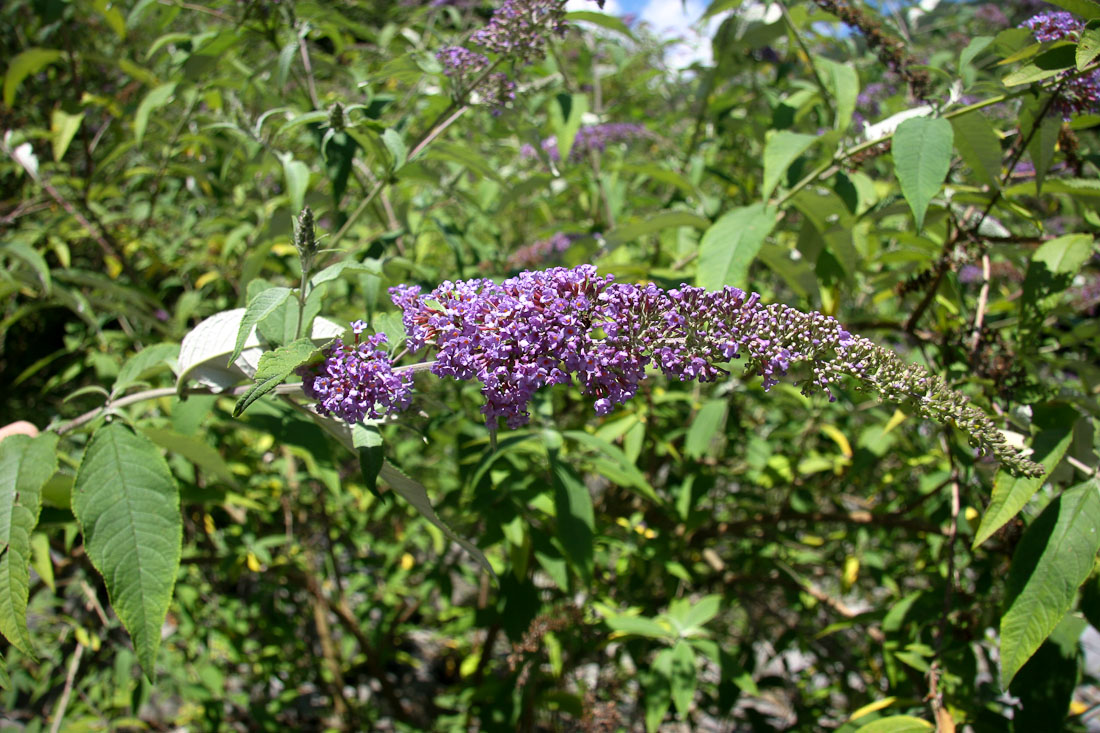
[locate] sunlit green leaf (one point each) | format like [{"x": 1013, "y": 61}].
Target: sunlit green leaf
[{"x": 922, "y": 157}]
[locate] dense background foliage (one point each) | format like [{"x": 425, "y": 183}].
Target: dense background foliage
[{"x": 708, "y": 556}]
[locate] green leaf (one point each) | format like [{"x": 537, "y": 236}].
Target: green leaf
[
  {"x": 194, "y": 449},
  {"x": 610, "y": 22},
  {"x": 141, "y": 363},
  {"x": 1045, "y": 65},
  {"x": 565, "y": 117},
  {"x": 155, "y": 99},
  {"x": 26, "y": 464},
  {"x": 396, "y": 146},
  {"x": 622, "y": 464},
  {"x": 1088, "y": 48},
  {"x": 1065, "y": 255},
  {"x": 1087, "y": 9},
  {"x": 656, "y": 223},
  {"x": 842, "y": 81},
  {"x": 29, "y": 255},
  {"x": 922, "y": 157},
  {"x": 978, "y": 144},
  {"x": 682, "y": 676},
  {"x": 259, "y": 308},
  {"x": 702, "y": 612},
  {"x": 416, "y": 494},
  {"x": 332, "y": 272},
  {"x": 639, "y": 626},
  {"x": 128, "y": 508},
  {"x": 5, "y": 680},
  {"x": 274, "y": 367},
  {"x": 897, "y": 724},
  {"x": 63, "y": 127},
  {"x": 1053, "y": 559},
  {"x": 781, "y": 148},
  {"x": 1011, "y": 493},
  {"x": 1046, "y": 683},
  {"x": 296, "y": 175},
  {"x": 729, "y": 246},
  {"x": 368, "y": 444},
  {"x": 703, "y": 429},
  {"x": 1041, "y": 147},
  {"x": 658, "y": 691},
  {"x": 26, "y": 63},
  {"x": 576, "y": 518}
]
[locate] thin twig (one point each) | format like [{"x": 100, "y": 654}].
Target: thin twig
[{"x": 66, "y": 693}]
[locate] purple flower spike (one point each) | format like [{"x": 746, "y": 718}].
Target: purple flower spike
[{"x": 356, "y": 381}]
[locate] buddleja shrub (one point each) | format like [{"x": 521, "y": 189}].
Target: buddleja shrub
[{"x": 457, "y": 367}]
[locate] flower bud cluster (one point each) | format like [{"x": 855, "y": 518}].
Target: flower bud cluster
[
  {"x": 517, "y": 31},
  {"x": 540, "y": 251},
  {"x": 589, "y": 138},
  {"x": 1079, "y": 94},
  {"x": 558, "y": 325},
  {"x": 357, "y": 380}
]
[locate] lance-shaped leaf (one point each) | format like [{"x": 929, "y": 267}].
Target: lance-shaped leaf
[
  {"x": 416, "y": 494},
  {"x": 26, "y": 464},
  {"x": 1053, "y": 559},
  {"x": 1011, "y": 493},
  {"x": 275, "y": 366},
  {"x": 258, "y": 309},
  {"x": 128, "y": 508},
  {"x": 731, "y": 244},
  {"x": 922, "y": 157},
  {"x": 782, "y": 148}
]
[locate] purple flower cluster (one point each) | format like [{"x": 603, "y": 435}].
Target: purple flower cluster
[
  {"x": 1053, "y": 26},
  {"x": 540, "y": 252},
  {"x": 518, "y": 31},
  {"x": 549, "y": 327},
  {"x": 519, "y": 28},
  {"x": 356, "y": 380},
  {"x": 1079, "y": 94},
  {"x": 589, "y": 138}
]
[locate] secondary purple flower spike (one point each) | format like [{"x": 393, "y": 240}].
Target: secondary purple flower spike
[
  {"x": 590, "y": 137},
  {"x": 356, "y": 381},
  {"x": 519, "y": 28},
  {"x": 554, "y": 326},
  {"x": 1078, "y": 94}
]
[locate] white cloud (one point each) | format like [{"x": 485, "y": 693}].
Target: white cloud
[
  {"x": 673, "y": 19},
  {"x": 611, "y": 7}
]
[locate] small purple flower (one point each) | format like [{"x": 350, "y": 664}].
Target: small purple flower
[
  {"x": 356, "y": 381},
  {"x": 519, "y": 28},
  {"x": 589, "y": 138},
  {"x": 1053, "y": 26},
  {"x": 1078, "y": 94}
]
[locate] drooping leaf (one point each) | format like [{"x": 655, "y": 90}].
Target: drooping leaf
[
  {"x": 194, "y": 449},
  {"x": 656, "y": 223},
  {"x": 610, "y": 22},
  {"x": 623, "y": 465},
  {"x": 155, "y": 99},
  {"x": 26, "y": 464},
  {"x": 1011, "y": 493},
  {"x": 658, "y": 690},
  {"x": 704, "y": 427},
  {"x": 416, "y": 494},
  {"x": 1045, "y": 685},
  {"x": 141, "y": 363},
  {"x": 1041, "y": 148},
  {"x": 979, "y": 146},
  {"x": 128, "y": 508},
  {"x": 296, "y": 176},
  {"x": 26, "y": 63},
  {"x": 368, "y": 444},
  {"x": 682, "y": 677},
  {"x": 781, "y": 148},
  {"x": 729, "y": 246},
  {"x": 1053, "y": 559},
  {"x": 566, "y": 113},
  {"x": 922, "y": 157},
  {"x": 274, "y": 368},
  {"x": 575, "y": 516},
  {"x": 396, "y": 146},
  {"x": 259, "y": 308},
  {"x": 63, "y": 127}
]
